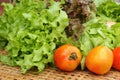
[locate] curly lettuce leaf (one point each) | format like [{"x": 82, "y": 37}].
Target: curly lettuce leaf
[
  {"x": 98, "y": 33},
  {"x": 109, "y": 8},
  {"x": 33, "y": 31}
]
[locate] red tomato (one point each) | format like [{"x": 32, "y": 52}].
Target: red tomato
[
  {"x": 116, "y": 61},
  {"x": 67, "y": 57},
  {"x": 99, "y": 60}
]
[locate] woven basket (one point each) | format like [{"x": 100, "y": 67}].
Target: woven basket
[{"x": 14, "y": 73}]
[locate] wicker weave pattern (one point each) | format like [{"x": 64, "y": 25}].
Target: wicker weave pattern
[{"x": 14, "y": 73}]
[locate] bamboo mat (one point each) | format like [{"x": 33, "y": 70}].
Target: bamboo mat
[{"x": 14, "y": 73}]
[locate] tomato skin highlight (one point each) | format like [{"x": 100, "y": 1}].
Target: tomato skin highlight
[
  {"x": 67, "y": 57},
  {"x": 116, "y": 61},
  {"x": 99, "y": 60}
]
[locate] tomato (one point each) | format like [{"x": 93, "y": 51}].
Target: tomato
[
  {"x": 67, "y": 57},
  {"x": 116, "y": 61},
  {"x": 99, "y": 60}
]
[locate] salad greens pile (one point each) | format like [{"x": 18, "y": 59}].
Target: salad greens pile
[
  {"x": 102, "y": 29},
  {"x": 30, "y": 31}
]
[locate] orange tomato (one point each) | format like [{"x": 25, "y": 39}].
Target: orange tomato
[
  {"x": 116, "y": 61},
  {"x": 99, "y": 60},
  {"x": 67, "y": 57}
]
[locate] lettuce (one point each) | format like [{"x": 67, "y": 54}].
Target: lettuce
[
  {"x": 109, "y": 8},
  {"x": 97, "y": 32},
  {"x": 31, "y": 32}
]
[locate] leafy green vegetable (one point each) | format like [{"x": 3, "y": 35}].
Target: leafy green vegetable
[
  {"x": 32, "y": 31},
  {"x": 116, "y": 30},
  {"x": 99, "y": 2},
  {"x": 97, "y": 32},
  {"x": 110, "y": 8}
]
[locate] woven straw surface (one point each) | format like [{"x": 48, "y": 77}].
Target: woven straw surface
[
  {"x": 50, "y": 73},
  {"x": 14, "y": 73}
]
